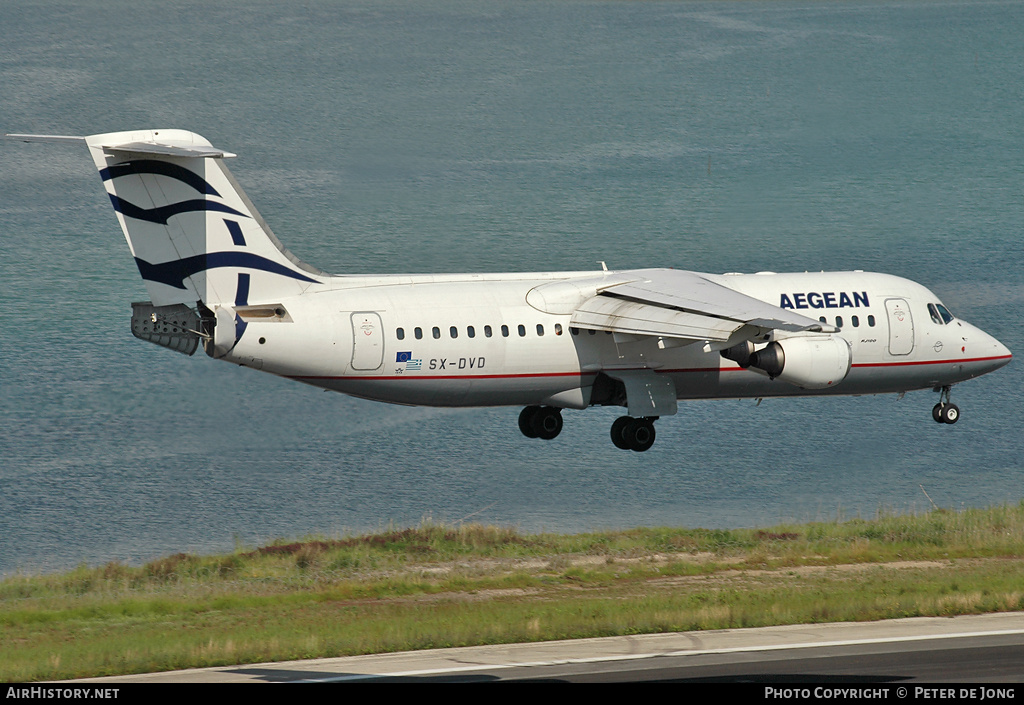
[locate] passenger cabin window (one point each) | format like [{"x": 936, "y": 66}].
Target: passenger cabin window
[
  {"x": 471, "y": 331},
  {"x": 418, "y": 332},
  {"x": 839, "y": 321},
  {"x": 504, "y": 331},
  {"x": 855, "y": 320},
  {"x": 540, "y": 329},
  {"x": 400, "y": 333},
  {"x": 436, "y": 332},
  {"x": 871, "y": 321},
  {"x": 487, "y": 331},
  {"x": 522, "y": 331},
  {"x": 558, "y": 329},
  {"x": 453, "y": 332}
]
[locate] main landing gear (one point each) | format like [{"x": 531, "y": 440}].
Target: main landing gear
[
  {"x": 628, "y": 433},
  {"x": 543, "y": 422},
  {"x": 945, "y": 411},
  {"x": 633, "y": 434}
]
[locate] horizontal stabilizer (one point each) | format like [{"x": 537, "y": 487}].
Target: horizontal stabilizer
[
  {"x": 167, "y": 150},
  {"x": 162, "y": 148},
  {"x": 67, "y": 139}
]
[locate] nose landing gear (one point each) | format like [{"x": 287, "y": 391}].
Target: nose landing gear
[{"x": 945, "y": 411}]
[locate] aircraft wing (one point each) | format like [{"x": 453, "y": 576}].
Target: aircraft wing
[{"x": 670, "y": 303}]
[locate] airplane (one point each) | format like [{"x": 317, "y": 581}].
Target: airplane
[{"x": 642, "y": 339}]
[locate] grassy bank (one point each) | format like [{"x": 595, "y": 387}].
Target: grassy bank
[{"x": 437, "y": 585}]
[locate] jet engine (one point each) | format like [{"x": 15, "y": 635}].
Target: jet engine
[{"x": 809, "y": 362}]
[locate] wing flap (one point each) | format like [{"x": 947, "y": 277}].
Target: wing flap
[{"x": 623, "y": 316}]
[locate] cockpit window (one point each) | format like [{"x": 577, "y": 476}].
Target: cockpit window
[
  {"x": 940, "y": 314},
  {"x": 944, "y": 312}
]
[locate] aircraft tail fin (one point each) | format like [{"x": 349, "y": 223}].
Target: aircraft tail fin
[{"x": 194, "y": 234}]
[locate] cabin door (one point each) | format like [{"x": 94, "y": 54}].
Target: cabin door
[
  {"x": 901, "y": 327},
  {"x": 367, "y": 341}
]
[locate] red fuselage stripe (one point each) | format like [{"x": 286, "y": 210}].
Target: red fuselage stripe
[
  {"x": 933, "y": 362},
  {"x": 429, "y": 377},
  {"x": 381, "y": 378}
]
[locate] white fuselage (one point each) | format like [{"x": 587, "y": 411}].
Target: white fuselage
[
  {"x": 483, "y": 340},
  {"x": 641, "y": 339}
]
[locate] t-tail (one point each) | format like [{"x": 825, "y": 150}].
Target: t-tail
[{"x": 201, "y": 247}]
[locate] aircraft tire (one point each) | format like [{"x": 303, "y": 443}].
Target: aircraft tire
[
  {"x": 618, "y": 432},
  {"x": 526, "y": 421},
  {"x": 546, "y": 422},
  {"x": 950, "y": 413},
  {"x": 640, "y": 434},
  {"x": 937, "y": 413}
]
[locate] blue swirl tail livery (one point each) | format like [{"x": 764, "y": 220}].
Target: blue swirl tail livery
[
  {"x": 190, "y": 227},
  {"x": 642, "y": 339}
]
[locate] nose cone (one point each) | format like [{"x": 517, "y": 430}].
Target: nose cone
[
  {"x": 1002, "y": 353},
  {"x": 985, "y": 350}
]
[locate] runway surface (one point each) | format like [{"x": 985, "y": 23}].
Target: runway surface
[{"x": 970, "y": 649}]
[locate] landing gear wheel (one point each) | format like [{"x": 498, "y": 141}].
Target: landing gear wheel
[
  {"x": 618, "y": 432},
  {"x": 950, "y": 413},
  {"x": 526, "y": 419},
  {"x": 633, "y": 434},
  {"x": 945, "y": 411},
  {"x": 640, "y": 434},
  {"x": 546, "y": 422}
]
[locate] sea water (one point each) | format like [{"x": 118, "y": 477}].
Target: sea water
[{"x": 474, "y": 135}]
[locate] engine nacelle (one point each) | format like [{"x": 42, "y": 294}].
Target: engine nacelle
[
  {"x": 740, "y": 353},
  {"x": 809, "y": 362}
]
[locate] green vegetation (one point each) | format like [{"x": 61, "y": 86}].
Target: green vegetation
[{"x": 436, "y": 585}]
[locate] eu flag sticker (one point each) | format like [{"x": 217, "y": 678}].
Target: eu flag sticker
[{"x": 403, "y": 356}]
